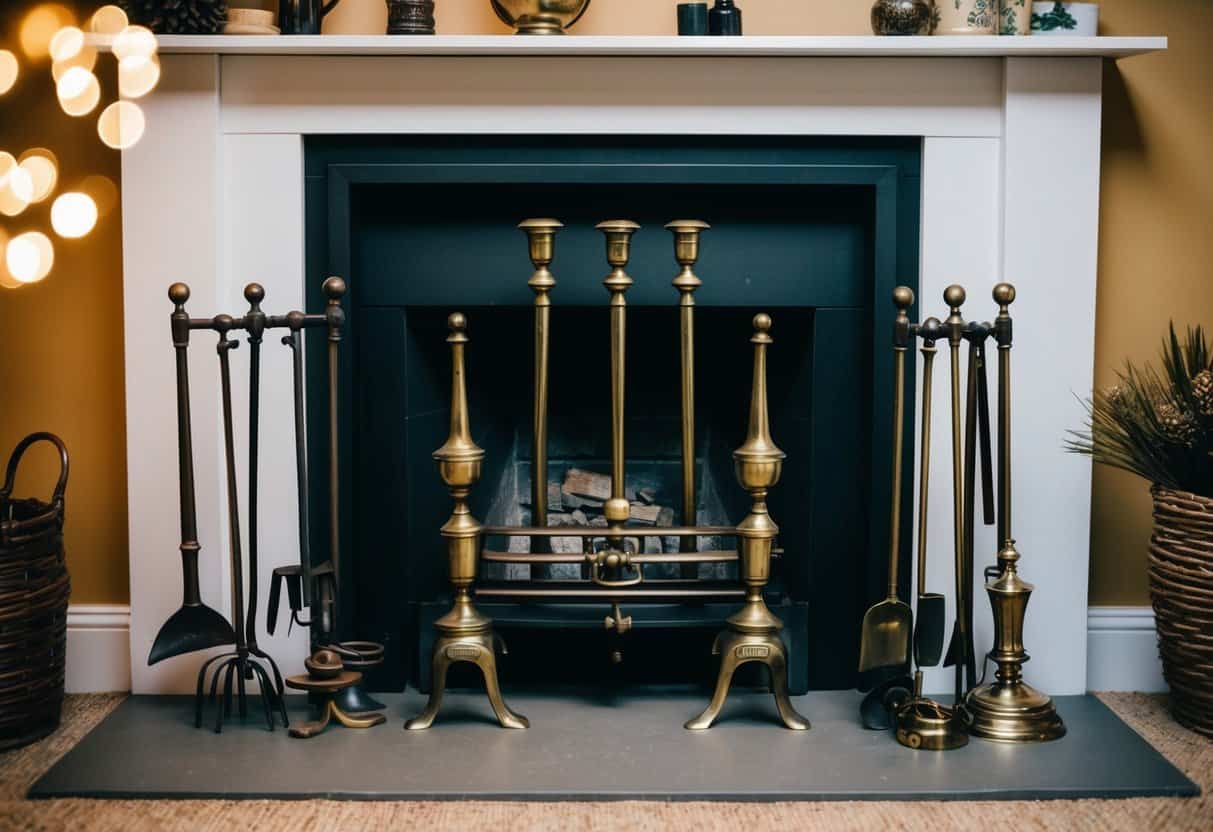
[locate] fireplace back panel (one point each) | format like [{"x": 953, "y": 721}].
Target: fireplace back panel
[{"x": 816, "y": 233}]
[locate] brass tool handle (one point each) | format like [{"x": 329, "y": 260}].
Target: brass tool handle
[
  {"x": 929, "y": 330},
  {"x": 334, "y": 290},
  {"x": 223, "y": 323},
  {"x": 954, "y": 297},
  {"x": 618, "y": 235},
  {"x": 903, "y": 298},
  {"x": 1004, "y": 296}
]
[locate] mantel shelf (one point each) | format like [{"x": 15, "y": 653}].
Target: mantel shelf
[{"x": 663, "y": 46}]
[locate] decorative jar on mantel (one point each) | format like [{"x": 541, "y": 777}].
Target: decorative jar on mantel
[
  {"x": 540, "y": 17},
  {"x": 965, "y": 17},
  {"x": 901, "y": 17},
  {"x": 410, "y": 17},
  {"x": 1014, "y": 17}
]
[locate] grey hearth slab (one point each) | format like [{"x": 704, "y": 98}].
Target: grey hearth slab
[{"x": 599, "y": 746}]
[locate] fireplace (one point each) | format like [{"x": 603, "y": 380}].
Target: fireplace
[{"x": 814, "y": 232}]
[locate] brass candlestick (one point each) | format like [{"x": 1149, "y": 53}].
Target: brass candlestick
[
  {"x": 465, "y": 635},
  {"x": 1009, "y": 709},
  {"x": 541, "y": 242},
  {"x": 753, "y": 634},
  {"x": 618, "y": 248},
  {"x": 686, "y": 252}
]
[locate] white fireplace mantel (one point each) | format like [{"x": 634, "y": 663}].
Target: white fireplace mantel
[{"x": 213, "y": 196}]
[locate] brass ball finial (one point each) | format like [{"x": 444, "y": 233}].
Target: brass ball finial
[
  {"x": 903, "y": 297},
  {"x": 1004, "y": 294},
  {"x": 931, "y": 329},
  {"x": 457, "y": 322},
  {"x": 762, "y": 322},
  {"x": 179, "y": 293},
  {"x": 954, "y": 296},
  {"x": 334, "y": 288},
  {"x": 254, "y": 293}
]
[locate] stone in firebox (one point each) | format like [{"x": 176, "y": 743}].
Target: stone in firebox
[
  {"x": 590, "y": 485},
  {"x": 647, "y": 495},
  {"x": 644, "y": 515}
]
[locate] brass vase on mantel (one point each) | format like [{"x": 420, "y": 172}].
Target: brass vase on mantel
[
  {"x": 540, "y": 17},
  {"x": 410, "y": 17}
]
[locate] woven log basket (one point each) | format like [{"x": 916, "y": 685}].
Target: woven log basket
[
  {"x": 1181, "y": 587},
  {"x": 34, "y": 589}
]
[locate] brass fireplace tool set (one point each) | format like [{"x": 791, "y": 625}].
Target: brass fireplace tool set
[
  {"x": 615, "y": 569},
  {"x": 333, "y": 675},
  {"x": 1006, "y": 709}
]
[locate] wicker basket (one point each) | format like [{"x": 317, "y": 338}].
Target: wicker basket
[
  {"x": 1181, "y": 586},
  {"x": 34, "y": 589}
]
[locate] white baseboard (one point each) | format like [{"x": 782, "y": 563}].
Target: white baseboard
[
  {"x": 98, "y": 648},
  {"x": 1122, "y": 650}
]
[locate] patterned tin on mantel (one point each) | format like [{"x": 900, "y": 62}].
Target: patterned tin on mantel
[
  {"x": 1014, "y": 17},
  {"x": 965, "y": 17}
]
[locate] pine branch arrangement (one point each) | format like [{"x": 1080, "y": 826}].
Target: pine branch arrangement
[{"x": 1158, "y": 425}]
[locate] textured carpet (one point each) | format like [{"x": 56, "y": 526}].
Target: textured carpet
[{"x": 1146, "y": 714}]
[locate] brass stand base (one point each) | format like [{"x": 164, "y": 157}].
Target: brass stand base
[
  {"x": 1012, "y": 713},
  {"x": 736, "y": 648},
  {"x": 924, "y": 723},
  {"x": 539, "y": 24},
  {"x": 479, "y": 649}
]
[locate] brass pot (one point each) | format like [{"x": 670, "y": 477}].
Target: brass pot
[{"x": 540, "y": 17}]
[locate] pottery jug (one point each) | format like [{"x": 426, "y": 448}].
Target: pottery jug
[
  {"x": 302, "y": 17},
  {"x": 965, "y": 17}
]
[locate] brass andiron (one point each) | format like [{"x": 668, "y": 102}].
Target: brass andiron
[
  {"x": 686, "y": 252},
  {"x": 465, "y": 634},
  {"x": 1008, "y": 709},
  {"x": 753, "y": 633},
  {"x": 541, "y": 244}
]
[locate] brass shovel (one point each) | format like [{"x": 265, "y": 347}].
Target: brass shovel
[{"x": 885, "y": 635}]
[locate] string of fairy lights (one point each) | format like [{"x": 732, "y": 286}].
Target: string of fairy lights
[{"x": 49, "y": 32}]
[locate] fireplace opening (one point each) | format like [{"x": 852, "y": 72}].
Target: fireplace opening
[{"x": 812, "y": 232}]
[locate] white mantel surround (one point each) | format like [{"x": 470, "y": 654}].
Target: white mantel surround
[{"x": 213, "y": 196}]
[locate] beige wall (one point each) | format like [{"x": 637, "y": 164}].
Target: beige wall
[{"x": 61, "y": 369}]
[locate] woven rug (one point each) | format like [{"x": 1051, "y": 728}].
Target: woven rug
[{"x": 1146, "y": 714}]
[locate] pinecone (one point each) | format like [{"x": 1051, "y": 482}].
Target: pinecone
[
  {"x": 178, "y": 17},
  {"x": 1178, "y": 427},
  {"x": 1202, "y": 392}
]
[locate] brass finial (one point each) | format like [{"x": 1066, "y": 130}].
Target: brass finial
[
  {"x": 179, "y": 293},
  {"x": 1004, "y": 296},
  {"x": 459, "y": 447},
  {"x": 954, "y": 297},
  {"x": 931, "y": 331},
  {"x": 618, "y": 249},
  {"x": 759, "y": 458}
]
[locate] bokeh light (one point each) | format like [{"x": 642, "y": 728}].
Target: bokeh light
[
  {"x": 134, "y": 40},
  {"x": 66, "y": 43},
  {"x": 16, "y": 186},
  {"x": 40, "y": 25},
  {"x": 102, "y": 190},
  {"x": 108, "y": 20},
  {"x": 43, "y": 168},
  {"x": 29, "y": 256},
  {"x": 121, "y": 124},
  {"x": 138, "y": 75},
  {"x": 86, "y": 58},
  {"x": 78, "y": 91},
  {"x": 7, "y": 281},
  {"x": 9, "y": 70},
  {"x": 73, "y": 215}
]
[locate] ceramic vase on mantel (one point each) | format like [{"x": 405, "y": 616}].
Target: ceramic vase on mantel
[
  {"x": 1056, "y": 18},
  {"x": 901, "y": 17},
  {"x": 965, "y": 17},
  {"x": 1014, "y": 17}
]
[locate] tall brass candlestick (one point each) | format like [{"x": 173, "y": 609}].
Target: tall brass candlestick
[
  {"x": 686, "y": 252},
  {"x": 541, "y": 240},
  {"x": 753, "y": 634},
  {"x": 465, "y": 634},
  {"x": 1009, "y": 709},
  {"x": 618, "y": 247}
]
